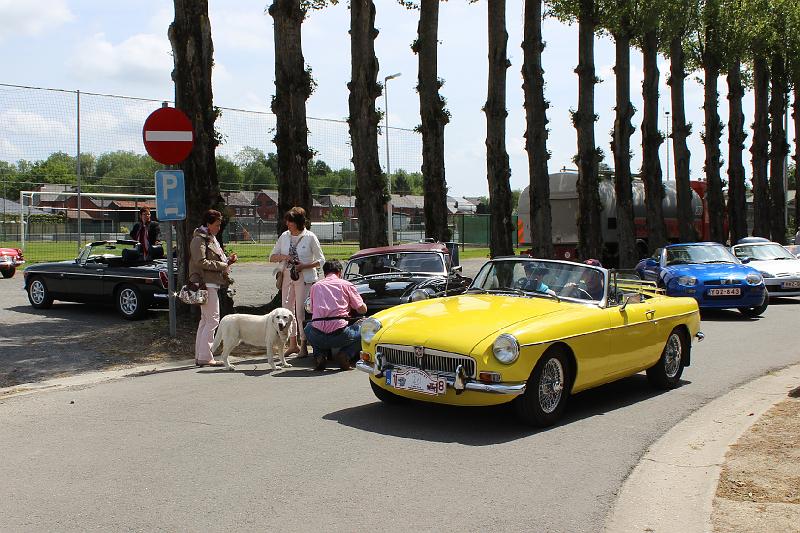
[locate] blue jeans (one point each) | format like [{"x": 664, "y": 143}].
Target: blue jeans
[{"x": 347, "y": 340}]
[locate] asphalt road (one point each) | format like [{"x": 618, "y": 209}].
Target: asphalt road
[{"x": 295, "y": 450}]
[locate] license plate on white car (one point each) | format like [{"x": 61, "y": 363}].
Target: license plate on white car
[
  {"x": 416, "y": 380},
  {"x": 791, "y": 285},
  {"x": 733, "y": 291}
]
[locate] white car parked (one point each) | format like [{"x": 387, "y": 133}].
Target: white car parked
[{"x": 779, "y": 268}]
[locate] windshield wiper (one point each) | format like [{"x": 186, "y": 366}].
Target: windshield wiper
[
  {"x": 716, "y": 261},
  {"x": 477, "y": 289}
]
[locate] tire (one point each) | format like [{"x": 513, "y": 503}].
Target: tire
[
  {"x": 129, "y": 302},
  {"x": 39, "y": 295},
  {"x": 666, "y": 373},
  {"x": 385, "y": 396},
  {"x": 752, "y": 312},
  {"x": 547, "y": 390},
  {"x": 9, "y": 273}
]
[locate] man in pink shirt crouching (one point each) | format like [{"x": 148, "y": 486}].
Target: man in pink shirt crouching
[{"x": 329, "y": 331}]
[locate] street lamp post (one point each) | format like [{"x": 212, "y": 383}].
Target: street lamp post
[
  {"x": 667, "y": 113},
  {"x": 389, "y": 230}
]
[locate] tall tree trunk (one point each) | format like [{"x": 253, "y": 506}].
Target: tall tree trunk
[
  {"x": 193, "y": 57},
  {"x": 536, "y": 133},
  {"x": 737, "y": 206},
  {"x": 590, "y": 237},
  {"x": 497, "y": 165},
  {"x": 651, "y": 142},
  {"x": 371, "y": 194},
  {"x": 434, "y": 118},
  {"x": 711, "y": 139},
  {"x": 796, "y": 116},
  {"x": 621, "y": 146},
  {"x": 680, "y": 132},
  {"x": 293, "y": 86},
  {"x": 777, "y": 108},
  {"x": 759, "y": 149}
]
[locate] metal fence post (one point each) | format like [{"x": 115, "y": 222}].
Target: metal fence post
[{"x": 78, "y": 164}]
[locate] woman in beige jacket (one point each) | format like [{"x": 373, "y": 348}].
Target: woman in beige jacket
[{"x": 209, "y": 265}]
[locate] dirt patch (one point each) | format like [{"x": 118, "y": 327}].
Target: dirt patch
[{"x": 759, "y": 486}]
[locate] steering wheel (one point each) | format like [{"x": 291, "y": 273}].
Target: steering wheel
[{"x": 579, "y": 292}]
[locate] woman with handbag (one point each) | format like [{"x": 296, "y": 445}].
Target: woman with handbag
[
  {"x": 210, "y": 266},
  {"x": 300, "y": 254}
]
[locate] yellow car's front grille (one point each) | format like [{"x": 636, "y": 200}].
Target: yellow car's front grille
[{"x": 434, "y": 360}]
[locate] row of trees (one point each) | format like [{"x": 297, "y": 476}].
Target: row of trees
[
  {"x": 128, "y": 172},
  {"x": 704, "y": 36}
]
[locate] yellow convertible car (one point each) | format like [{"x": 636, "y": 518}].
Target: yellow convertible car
[{"x": 530, "y": 332}]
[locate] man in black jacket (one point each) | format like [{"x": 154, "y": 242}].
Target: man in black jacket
[{"x": 145, "y": 232}]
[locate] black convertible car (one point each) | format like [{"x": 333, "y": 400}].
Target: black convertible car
[
  {"x": 104, "y": 272},
  {"x": 393, "y": 275}
]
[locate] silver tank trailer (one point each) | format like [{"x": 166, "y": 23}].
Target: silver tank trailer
[{"x": 564, "y": 207}]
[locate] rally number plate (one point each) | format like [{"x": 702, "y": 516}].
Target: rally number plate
[
  {"x": 416, "y": 380},
  {"x": 791, "y": 285}
]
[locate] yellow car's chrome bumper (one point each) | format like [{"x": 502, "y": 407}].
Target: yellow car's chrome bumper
[{"x": 513, "y": 389}]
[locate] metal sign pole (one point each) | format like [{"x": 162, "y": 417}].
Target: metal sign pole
[{"x": 171, "y": 283}]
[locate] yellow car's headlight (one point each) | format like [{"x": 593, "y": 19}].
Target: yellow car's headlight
[
  {"x": 369, "y": 328},
  {"x": 505, "y": 348}
]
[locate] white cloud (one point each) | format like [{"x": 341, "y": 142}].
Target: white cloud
[
  {"x": 243, "y": 30},
  {"x": 143, "y": 59},
  {"x": 32, "y": 17}
]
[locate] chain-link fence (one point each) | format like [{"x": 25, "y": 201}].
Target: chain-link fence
[{"x": 61, "y": 150}]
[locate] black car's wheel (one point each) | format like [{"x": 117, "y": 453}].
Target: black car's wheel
[
  {"x": 385, "y": 396},
  {"x": 129, "y": 302},
  {"x": 753, "y": 312},
  {"x": 547, "y": 390},
  {"x": 9, "y": 273},
  {"x": 38, "y": 295},
  {"x": 666, "y": 373}
]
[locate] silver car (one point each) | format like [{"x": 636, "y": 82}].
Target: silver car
[{"x": 779, "y": 268}]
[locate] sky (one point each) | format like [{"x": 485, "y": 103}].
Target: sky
[{"x": 121, "y": 48}]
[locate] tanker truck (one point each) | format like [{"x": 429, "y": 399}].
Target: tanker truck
[{"x": 564, "y": 209}]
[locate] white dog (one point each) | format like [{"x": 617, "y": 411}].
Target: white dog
[{"x": 270, "y": 331}]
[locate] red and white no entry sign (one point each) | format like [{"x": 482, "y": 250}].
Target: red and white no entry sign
[{"x": 168, "y": 135}]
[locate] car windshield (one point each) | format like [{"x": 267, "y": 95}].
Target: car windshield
[
  {"x": 683, "y": 255},
  {"x": 537, "y": 277},
  {"x": 762, "y": 252},
  {"x": 416, "y": 262}
]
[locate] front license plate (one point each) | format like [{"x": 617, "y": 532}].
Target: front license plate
[
  {"x": 725, "y": 292},
  {"x": 791, "y": 285},
  {"x": 416, "y": 380}
]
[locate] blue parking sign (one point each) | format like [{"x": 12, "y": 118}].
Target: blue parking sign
[{"x": 170, "y": 195}]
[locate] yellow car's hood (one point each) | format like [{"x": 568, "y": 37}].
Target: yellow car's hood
[{"x": 457, "y": 324}]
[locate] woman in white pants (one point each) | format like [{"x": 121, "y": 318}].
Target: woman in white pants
[
  {"x": 209, "y": 265},
  {"x": 300, "y": 254}
]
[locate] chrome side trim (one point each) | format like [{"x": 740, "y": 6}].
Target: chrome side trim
[
  {"x": 602, "y": 330},
  {"x": 512, "y": 389}
]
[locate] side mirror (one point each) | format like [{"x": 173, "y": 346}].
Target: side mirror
[
  {"x": 745, "y": 260},
  {"x": 630, "y": 299},
  {"x": 457, "y": 268}
]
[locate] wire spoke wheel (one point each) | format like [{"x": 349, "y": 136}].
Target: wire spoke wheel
[
  {"x": 551, "y": 385},
  {"x": 672, "y": 355}
]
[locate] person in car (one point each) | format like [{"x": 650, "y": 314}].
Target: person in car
[
  {"x": 533, "y": 279},
  {"x": 146, "y": 232},
  {"x": 590, "y": 284}
]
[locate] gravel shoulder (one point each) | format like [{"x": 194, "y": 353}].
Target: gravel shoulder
[{"x": 759, "y": 486}]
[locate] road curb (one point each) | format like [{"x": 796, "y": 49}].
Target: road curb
[
  {"x": 93, "y": 378},
  {"x": 673, "y": 486}
]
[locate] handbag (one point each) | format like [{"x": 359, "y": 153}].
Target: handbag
[{"x": 193, "y": 294}]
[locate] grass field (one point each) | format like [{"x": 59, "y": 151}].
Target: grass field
[{"x": 39, "y": 252}]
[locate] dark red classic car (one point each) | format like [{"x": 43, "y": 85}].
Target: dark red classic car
[{"x": 10, "y": 259}]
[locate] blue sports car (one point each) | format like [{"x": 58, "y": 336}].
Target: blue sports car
[{"x": 709, "y": 273}]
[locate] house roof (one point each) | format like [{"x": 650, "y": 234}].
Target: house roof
[
  {"x": 10, "y": 207},
  {"x": 408, "y": 201},
  {"x": 131, "y": 204},
  {"x": 337, "y": 200}
]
